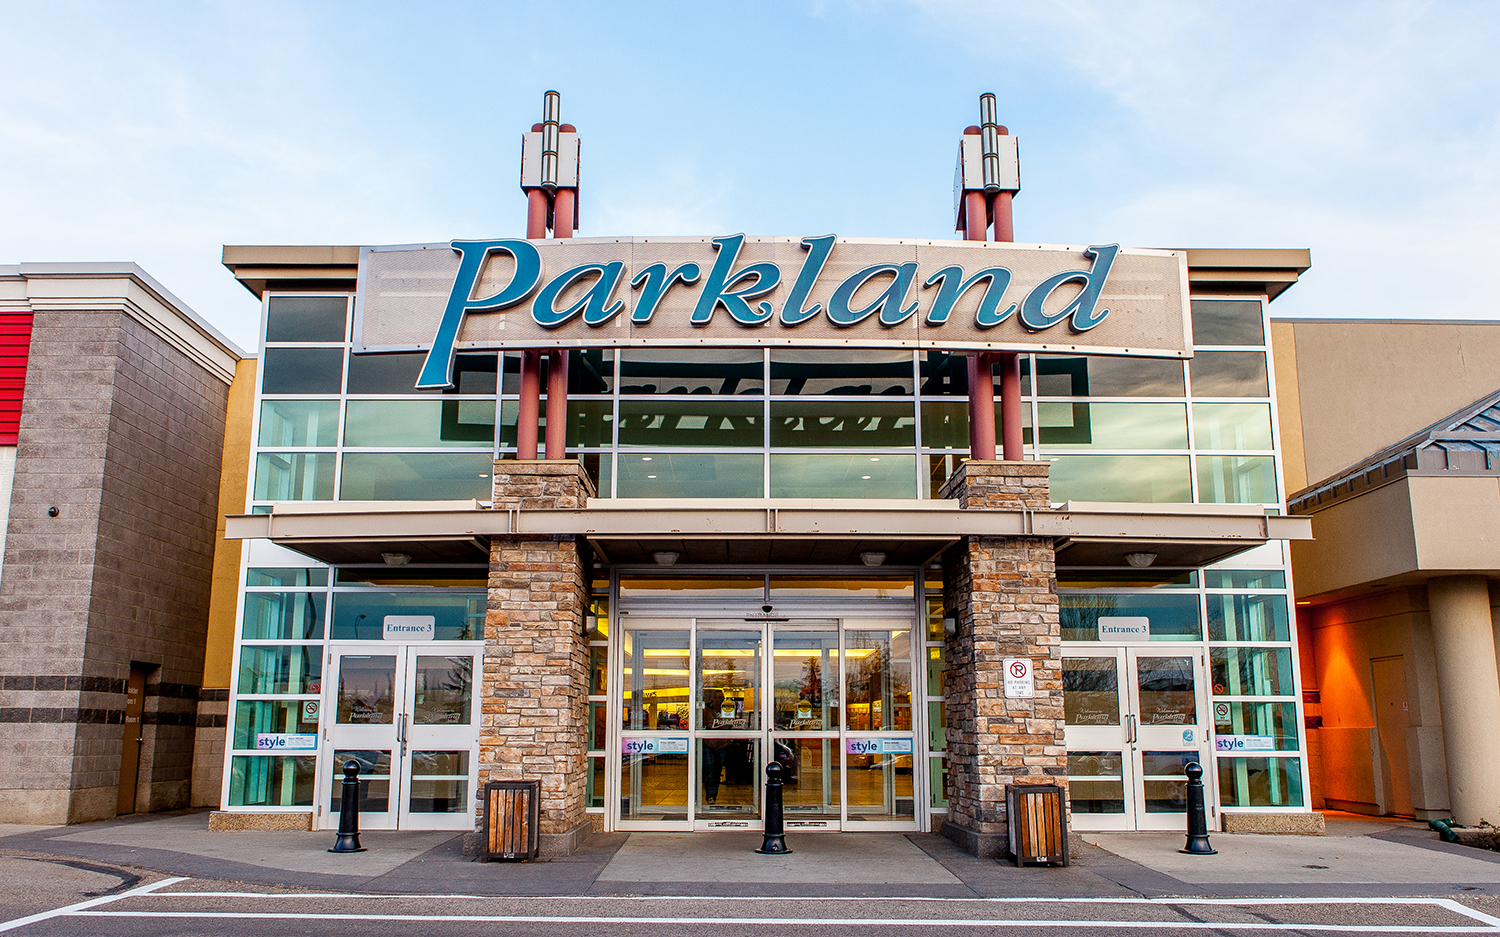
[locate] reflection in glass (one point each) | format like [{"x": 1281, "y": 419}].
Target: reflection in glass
[
  {"x": 266, "y": 670},
  {"x": 272, "y": 780},
  {"x": 1276, "y": 721},
  {"x": 598, "y": 670},
  {"x": 673, "y": 422},
  {"x": 1171, "y": 617},
  {"x": 1248, "y": 618},
  {"x": 374, "y": 780},
  {"x": 1243, "y": 479},
  {"x": 744, "y": 587},
  {"x": 805, "y": 669},
  {"x": 729, "y": 778},
  {"x": 397, "y": 374},
  {"x": 945, "y": 423},
  {"x": 417, "y": 476},
  {"x": 443, "y": 691},
  {"x": 1229, "y": 374},
  {"x": 1251, "y": 671},
  {"x": 811, "y": 776},
  {"x": 1096, "y": 782},
  {"x": 1232, "y": 425},
  {"x": 879, "y": 787},
  {"x": 1151, "y": 479},
  {"x": 590, "y": 423},
  {"x": 692, "y": 371},
  {"x": 842, "y": 587},
  {"x": 285, "y": 576},
  {"x": 1107, "y": 377},
  {"x": 937, "y": 680},
  {"x": 598, "y": 725},
  {"x": 1114, "y": 425},
  {"x": 306, "y": 318},
  {"x": 360, "y": 616},
  {"x": 283, "y": 616},
  {"x": 291, "y": 717},
  {"x": 1164, "y": 778},
  {"x": 1166, "y": 691},
  {"x": 1127, "y": 578},
  {"x": 297, "y": 423},
  {"x": 1227, "y": 322},
  {"x": 1260, "y": 782},
  {"x": 294, "y": 476},
  {"x": 877, "y": 665},
  {"x": 426, "y": 424},
  {"x": 439, "y": 782},
  {"x": 843, "y": 476},
  {"x": 654, "y": 787},
  {"x": 656, "y": 680},
  {"x": 826, "y": 424},
  {"x": 690, "y": 475},
  {"x": 728, "y": 674},
  {"x": 367, "y": 690},
  {"x": 1244, "y": 578},
  {"x": 944, "y": 374},
  {"x": 1091, "y": 691},
  {"x": 814, "y": 372},
  {"x": 301, "y": 370}
]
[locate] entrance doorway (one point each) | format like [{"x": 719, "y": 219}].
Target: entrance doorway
[
  {"x": 704, "y": 703},
  {"x": 407, "y": 715},
  {"x": 1135, "y": 720}
]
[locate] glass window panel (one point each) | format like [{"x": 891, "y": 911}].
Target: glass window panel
[
  {"x": 945, "y": 374},
  {"x": 656, "y": 680},
  {"x": 1237, "y": 479},
  {"x": 1132, "y": 578},
  {"x": 1166, "y": 689},
  {"x": 374, "y": 780},
  {"x": 272, "y": 780},
  {"x": 598, "y": 670},
  {"x": 880, "y": 788},
  {"x": 1096, "y": 782},
  {"x": 845, "y": 587},
  {"x": 444, "y": 688},
  {"x": 937, "y": 680},
  {"x": 599, "y": 468},
  {"x": 843, "y": 476},
  {"x": 367, "y": 690},
  {"x": 1165, "y": 780},
  {"x": 1227, "y": 322},
  {"x": 1248, "y": 618},
  {"x": 877, "y": 668},
  {"x": 426, "y": 424},
  {"x": 591, "y": 423},
  {"x": 299, "y": 423},
  {"x": 595, "y": 792},
  {"x": 1229, "y": 374},
  {"x": 397, "y": 374},
  {"x": 842, "y": 424},
  {"x": 692, "y": 371},
  {"x": 750, "y": 587},
  {"x": 439, "y": 764},
  {"x": 937, "y": 726},
  {"x": 1139, "y": 478},
  {"x": 729, "y": 778},
  {"x": 1244, "y": 578},
  {"x": 1276, "y": 722},
  {"x": 294, "y": 476},
  {"x": 1169, "y": 617},
  {"x": 598, "y": 724},
  {"x": 690, "y": 475},
  {"x": 936, "y": 612},
  {"x": 805, "y": 671},
  {"x": 938, "y": 782},
  {"x": 812, "y": 775},
  {"x": 849, "y": 372},
  {"x": 439, "y": 796},
  {"x": 417, "y": 476},
  {"x": 1232, "y": 425},
  {"x": 1103, "y": 376},
  {"x": 1114, "y": 425},
  {"x": 281, "y": 670},
  {"x": 360, "y": 616},
  {"x": 283, "y": 616},
  {"x": 285, "y": 576},
  {"x": 1260, "y": 782},
  {"x": 692, "y": 422},
  {"x": 591, "y": 371},
  {"x": 432, "y": 577},
  {"x": 301, "y": 370},
  {"x": 598, "y": 618},
  {"x": 1091, "y": 691},
  {"x": 1251, "y": 671},
  {"x": 945, "y": 424},
  {"x": 306, "y": 318},
  {"x": 280, "y": 717},
  {"x": 654, "y": 787},
  {"x": 728, "y": 674}
]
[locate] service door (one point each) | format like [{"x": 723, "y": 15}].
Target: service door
[
  {"x": 438, "y": 740},
  {"x": 361, "y": 725}
]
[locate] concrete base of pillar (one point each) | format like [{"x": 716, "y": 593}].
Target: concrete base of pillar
[
  {"x": 553, "y": 845},
  {"x": 1309, "y": 824},
  {"x": 223, "y": 821},
  {"x": 975, "y": 843}
]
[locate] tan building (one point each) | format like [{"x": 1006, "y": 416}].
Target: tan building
[{"x": 1395, "y": 614}]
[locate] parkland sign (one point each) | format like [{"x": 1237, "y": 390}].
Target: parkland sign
[{"x": 734, "y": 290}]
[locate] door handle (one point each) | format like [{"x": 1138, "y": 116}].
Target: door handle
[
  {"x": 1131, "y": 733},
  {"x": 401, "y": 728}
]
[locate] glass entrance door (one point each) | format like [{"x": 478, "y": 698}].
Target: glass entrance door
[
  {"x": 407, "y": 715},
  {"x": 1134, "y": 720}
]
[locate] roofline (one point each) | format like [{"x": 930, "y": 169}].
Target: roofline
[{"x": 1361, "y": 320}]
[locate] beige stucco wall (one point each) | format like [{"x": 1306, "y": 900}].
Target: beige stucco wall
[{"x": 232, "y": 491}]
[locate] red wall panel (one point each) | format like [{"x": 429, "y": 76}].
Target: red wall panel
[{"x": 15, "y": 344}]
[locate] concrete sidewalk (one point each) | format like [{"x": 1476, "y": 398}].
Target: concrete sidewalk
[{"x": 1358, "y": 857}]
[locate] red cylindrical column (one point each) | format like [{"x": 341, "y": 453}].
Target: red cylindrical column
[
  {"x": 981, "y": 407},
  {"x": 976, "y": 216},
  {"x": 531, "y": 392},
  {"x": 1011, "y": 444},
  {"x": 536, "y": 214},
  {"x": 1000, "y": 210},
  {"x": 557, "y": 404},
  {"x": 564, "y": 206}
]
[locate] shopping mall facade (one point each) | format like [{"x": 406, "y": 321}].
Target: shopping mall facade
[{"x": 632, "y": 517}]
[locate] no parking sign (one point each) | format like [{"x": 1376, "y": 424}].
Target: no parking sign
[{"x": 1019, "y": 682}]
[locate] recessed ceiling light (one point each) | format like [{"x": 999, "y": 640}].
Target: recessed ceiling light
[
  {"x": 874, "y": 458},
  {"x": 650, "y": 476},
  {"x": 864, "y": 476},
  {"x": 645, "y": 458}
]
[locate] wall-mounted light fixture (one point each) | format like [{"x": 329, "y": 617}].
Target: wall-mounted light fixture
[
  {"x": 665, "y": 558},
  {"x": 872, "y": 558},
  {"x": 396, "y": 559},
  {"x": 1140, "y": 560}
]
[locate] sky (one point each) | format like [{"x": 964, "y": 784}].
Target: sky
[{"x": 159, "y": 132}]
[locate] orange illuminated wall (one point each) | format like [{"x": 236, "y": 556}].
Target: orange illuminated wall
[{"x": 15, "y": 344}]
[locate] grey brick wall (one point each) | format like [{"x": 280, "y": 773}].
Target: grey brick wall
[{"x": 123, "y": 434}]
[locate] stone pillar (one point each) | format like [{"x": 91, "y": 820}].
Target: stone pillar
[
  {"x": 534, "y": 692},
  {"x": 1469, "y": 687},
  {"x": 1002, "y": 595}
]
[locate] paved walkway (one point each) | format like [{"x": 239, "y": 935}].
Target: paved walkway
[{"x": 1358, "y": 857}]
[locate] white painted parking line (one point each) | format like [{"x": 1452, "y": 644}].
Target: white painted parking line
[{"x": 91, "y": 903}]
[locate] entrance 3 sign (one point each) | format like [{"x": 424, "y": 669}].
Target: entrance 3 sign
[{"x": 733, "y": 290}]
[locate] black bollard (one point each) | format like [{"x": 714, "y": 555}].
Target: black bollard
[
  {"x": 774, "y": 841},
  {"x": 1197, "y": 814},
  {"x": 348, "y": 840}
]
